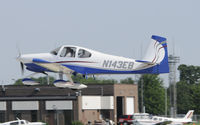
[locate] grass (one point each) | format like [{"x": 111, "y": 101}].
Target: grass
[{"x": 198, "y": 123}]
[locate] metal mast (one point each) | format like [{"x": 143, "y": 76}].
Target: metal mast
[{"x": 173, "y": 60}]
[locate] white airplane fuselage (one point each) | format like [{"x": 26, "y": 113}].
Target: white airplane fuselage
[
  {"x": 69, "y": 59},
  {"x": 98, "y": 63},
  {"x": 173, "y": 121}
]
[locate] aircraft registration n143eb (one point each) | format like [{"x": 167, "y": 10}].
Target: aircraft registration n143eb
[{"x": 70, "y": 60}]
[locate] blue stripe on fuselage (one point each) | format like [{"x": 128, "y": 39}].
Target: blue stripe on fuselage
[{"x": 88, "y": 70}]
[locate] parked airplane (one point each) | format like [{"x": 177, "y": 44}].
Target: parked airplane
[
  {"x": 156, "y": 120},
  {"x": 22, "y": 122},
  {"x": 69, "y": 60}
]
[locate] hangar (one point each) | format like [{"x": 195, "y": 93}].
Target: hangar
[{"x": 57, "y": 106}]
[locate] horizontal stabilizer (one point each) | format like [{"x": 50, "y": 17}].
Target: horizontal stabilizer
[
  {"x": 66, "y": 84},
  {"x": 146, "y": 62}
]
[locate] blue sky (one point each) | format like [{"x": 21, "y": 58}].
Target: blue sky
[{"x": 119, "y": 27}]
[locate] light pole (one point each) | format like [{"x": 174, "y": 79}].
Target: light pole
[{"x": 56, "y": 119}]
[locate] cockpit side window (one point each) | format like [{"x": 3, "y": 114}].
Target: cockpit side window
[
  {"x": 55, "y": 51},
  {"x": 83, "y": 54},
  {"x": 22, "y": 123},
  {"x": 68, "y": 52}
]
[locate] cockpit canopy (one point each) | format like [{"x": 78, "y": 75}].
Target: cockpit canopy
[
  {"x": 19, "y": 122},
  {"x": 72, "y": 52}
]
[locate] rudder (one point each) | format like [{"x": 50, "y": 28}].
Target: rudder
[{"x": 157, "y": 54}]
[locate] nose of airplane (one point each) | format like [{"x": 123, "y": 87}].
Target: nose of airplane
[
  {"x": 19, "y": 58},
  {"x": 24, "y": 58}
]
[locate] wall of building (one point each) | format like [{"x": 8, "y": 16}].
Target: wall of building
[
  {"x": 53, "y": 112},
  {"x": 125, "y": 91},
  {"x": 61, "y": 106}
]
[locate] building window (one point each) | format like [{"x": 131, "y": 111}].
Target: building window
[
  {"x": 17, "y": 115},
  {"x": 34, "y": 116},
  {"x": 2, "y": 117}
]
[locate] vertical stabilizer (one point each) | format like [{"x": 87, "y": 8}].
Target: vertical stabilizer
[
  {"x": 157, "y": 55},
  {"x": 189, "y": 114}
]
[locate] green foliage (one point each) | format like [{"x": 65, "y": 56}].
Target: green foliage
[
  {"x": 128, "y": 80},
  {"x": 18, "y": 82},
  {"x": 79, "y": 79},
  {"x": 41, "y": 80},
  {"x": 189, "y": 74},
  {"x": 153, "y": 94},
  {"x": 184, "y": 97},
  {"x": 188, "y": 89},
  {"x": 90, "y": 80},
  {"x": 77, "y": 123}
]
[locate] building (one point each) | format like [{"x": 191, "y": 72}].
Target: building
[{"x": 57, "y": 106}]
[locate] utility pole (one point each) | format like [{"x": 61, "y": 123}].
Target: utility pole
[
  {"x": 141, "y": 93},
  {"x": 165, "y": 101},
  {"x": 173, "y": 60},
  {"x": 142, "y": 97}
]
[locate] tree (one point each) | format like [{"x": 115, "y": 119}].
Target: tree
[
  {"x": 90, "y": 80},
  {"x": 80, "y": 79},
  {"x": 153, "y": 94},
  {"x": 41, "y": 80},
  {"x": 185, "y": 100},
  {"x": 18, "y": 82},
  {"x": 196, "y": 98},
  {"x": 128, "y": 80},
  {"x": 188, "y": 89},
  {"x": 77, "y": 123},
  {"x": 189, "y": 74}
]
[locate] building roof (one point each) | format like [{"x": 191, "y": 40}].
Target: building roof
[{"x": 47, "y": 92}]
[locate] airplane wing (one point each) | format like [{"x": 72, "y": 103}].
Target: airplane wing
[
  {"x": 55, "y": 67},
  {"x": 150, "y": 123},
  {"x": 164, "y": 123}
]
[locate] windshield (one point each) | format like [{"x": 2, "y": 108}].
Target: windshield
[
  {"x": 68, "y": 52},
  {"x": 55, "y": 51}
]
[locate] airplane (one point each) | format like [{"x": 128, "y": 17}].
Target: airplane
[
  {"x": 22, "y": 122},
  {"x": 157, "y": 120},
  {"x": 70, "y": 60}
]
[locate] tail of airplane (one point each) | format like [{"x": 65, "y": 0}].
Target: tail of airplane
[
  {"x": 156, "y": 55},
  {"x": 189, "y": 114}
]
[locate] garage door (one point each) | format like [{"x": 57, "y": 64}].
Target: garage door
[
  {"x": 129, "y": 105},
  {"x": 2, "y": 106}
]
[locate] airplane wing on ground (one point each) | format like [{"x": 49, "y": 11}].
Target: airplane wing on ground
[
  {"x": 55, "y": 67},
  {"x": 164, "y": 123},
  {"x": 150, "y": 123}
]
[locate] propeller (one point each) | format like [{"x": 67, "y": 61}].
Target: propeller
[
  {"x": 22, "y": 67},
  {"x": 18, "y": 58}
]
